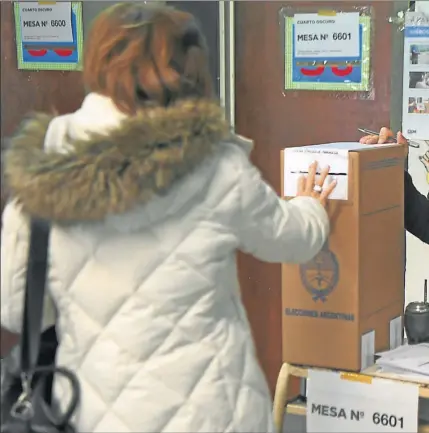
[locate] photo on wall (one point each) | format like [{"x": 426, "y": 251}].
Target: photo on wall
[
  {"x": 419, "y": 80},
  {"x": 419, "y": 54},
  {"x": 419, "y": 105}
]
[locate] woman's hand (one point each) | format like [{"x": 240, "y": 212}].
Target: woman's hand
[
  {"x": 386, "y": 136},
  {"x": 310, "y": 187}
]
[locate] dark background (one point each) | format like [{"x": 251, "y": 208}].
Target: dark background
[{"x": 207, "y": 13}]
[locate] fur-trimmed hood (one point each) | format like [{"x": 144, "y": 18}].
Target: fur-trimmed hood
[{"x": 113, "y": 166}]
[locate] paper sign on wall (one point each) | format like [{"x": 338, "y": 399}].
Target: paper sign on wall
[
  {"x": 323, "y": 37},
  {"x": 416, "y": 76},
  {"x": 327, "y": 51},
  {"x": 415, "y": 126},
  {"x": 49, "y": 36},
  {"x": 337, "y": 402},
  {"x": 46, "y": 22}
]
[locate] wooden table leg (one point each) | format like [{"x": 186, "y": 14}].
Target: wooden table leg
[{"x": 281, "y": 396}]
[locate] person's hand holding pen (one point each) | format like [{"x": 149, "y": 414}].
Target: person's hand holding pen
[{"x": 386, "y": 136}]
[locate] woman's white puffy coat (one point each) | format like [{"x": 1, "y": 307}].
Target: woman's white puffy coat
[{"x": 146, "y": 219}]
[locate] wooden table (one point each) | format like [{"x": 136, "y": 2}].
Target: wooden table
[{"x": 287, "y": 371}]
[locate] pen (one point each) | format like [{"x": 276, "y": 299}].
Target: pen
[{"x": 391, "y": 139}]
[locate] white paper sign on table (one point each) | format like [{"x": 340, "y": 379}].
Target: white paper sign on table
[
  {"x": 298, "y": 159},
  {"x": 46, "y": 22},
  {"x": 318, "y": 36},
  {"x": 335, "y": 404}
]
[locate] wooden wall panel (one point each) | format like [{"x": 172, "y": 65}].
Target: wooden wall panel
[{"x": 26, "y": 91}]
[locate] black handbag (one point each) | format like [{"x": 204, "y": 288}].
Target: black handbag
[{"x": 25, "y": 403}]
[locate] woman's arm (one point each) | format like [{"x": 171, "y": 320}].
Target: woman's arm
[
  {"x": 275, "y": 230},
  {"x": 416, "y": 210}
]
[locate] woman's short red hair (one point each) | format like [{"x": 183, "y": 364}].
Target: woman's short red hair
[{"x": 141, "y": 55}]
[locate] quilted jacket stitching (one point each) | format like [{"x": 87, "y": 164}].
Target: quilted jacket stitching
[
  {"x": 175, "y": 327},
  {"x": 137, "y": 286},
  {"x": 14, "y": 238},
  {"x": 126, "y": 383},
  {"x": 187, "y": 398}
]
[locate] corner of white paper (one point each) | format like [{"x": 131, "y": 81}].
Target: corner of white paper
[
  {"x": 298, "y": 159},
  {"x": 367, "y": 351},
  {"x": 395, "y": 332}
]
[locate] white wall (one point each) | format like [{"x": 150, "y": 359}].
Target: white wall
[{"x": 417, "y": 252}]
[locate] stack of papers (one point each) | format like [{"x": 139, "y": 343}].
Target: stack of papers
[{"x": 412, "y": 362}]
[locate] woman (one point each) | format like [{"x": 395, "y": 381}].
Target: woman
[
  {"x": 416, "y": 205},
  {"x": 150, "y": 196}
]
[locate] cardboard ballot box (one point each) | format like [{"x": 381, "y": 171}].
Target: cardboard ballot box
[{"x": 347, "y": 303}]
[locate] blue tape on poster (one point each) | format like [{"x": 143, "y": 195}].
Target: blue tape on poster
[{"x": 416, "y": 32}]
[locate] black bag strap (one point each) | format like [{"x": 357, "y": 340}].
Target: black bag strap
[
  {"x": 34, "y": 295},
  {"x": 36, "y": 278}
]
